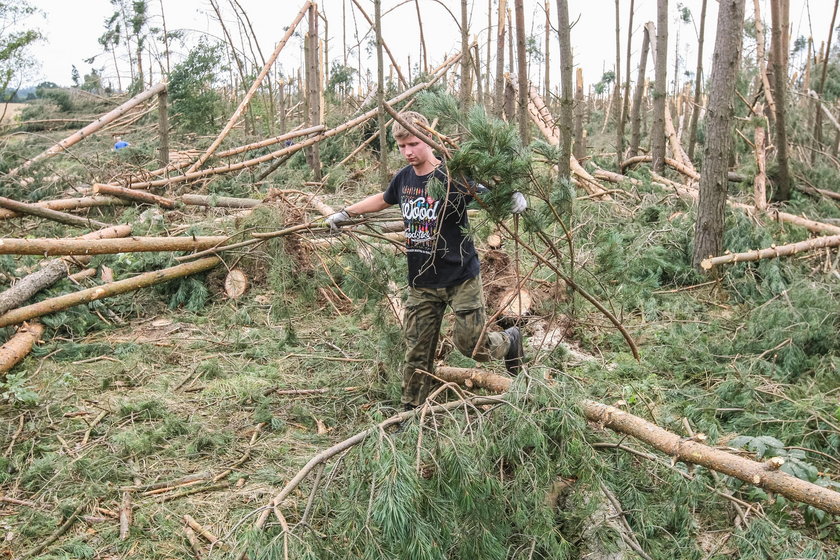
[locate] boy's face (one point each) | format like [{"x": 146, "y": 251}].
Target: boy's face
[{"x": 416, "y": 152}]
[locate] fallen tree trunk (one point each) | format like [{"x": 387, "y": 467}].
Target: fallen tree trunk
[
  {"x": 134, "y": 195},
  {"x": 52, "y": 272},
  {"x": 48, "y": 246},
  {"x": 771, "y": 252},
  {"x": 67, "y": 204},
  {"x": 46, "y": 213},
  {"x": 92, "y": 127},
  {"x": 106, "y": 290},
  {"x": 19, "y": 345},
  {"x": 219, "y": 201},
  {"x": 763, "y": 475}
]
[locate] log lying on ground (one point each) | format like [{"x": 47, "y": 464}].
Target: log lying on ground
[
  {"x": 19, "y": 345},
  {"x": 46, "y": 213},
  {"x": 677, "y": 166},
  {"x": 52, "y": 272},
  {"x": 134, "y": 195},
  {"x": 219, "y": 201},
  {"x": 68, "y": 204},
  {"x": 54, "y": 247},
  {"x": 752, "y": 472},
  {"x": 92, "y": 127},
  {"x": 106, "y": 290},
  {"x": 772, "y": 252}
]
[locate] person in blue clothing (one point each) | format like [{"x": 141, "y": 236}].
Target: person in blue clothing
[
  {"x": 443, "y": 267},
  {"x": 119, "y": 143}
]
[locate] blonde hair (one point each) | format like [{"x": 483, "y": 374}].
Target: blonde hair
[{"x": 411, "y": 117}]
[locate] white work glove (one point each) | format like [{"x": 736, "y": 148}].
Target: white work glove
[
  {"x": 518, "y": 203},
  {"x": 337, "y": 219}
]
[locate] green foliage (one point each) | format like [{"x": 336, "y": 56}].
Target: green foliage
[
  {"x": 195, "y": 102},
  {"x": 16, "y": 61},
  {"x": 15, "y": 389},
  {"x": 61, "y": 98}
]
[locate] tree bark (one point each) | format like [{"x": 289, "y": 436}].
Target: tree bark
[
  {"x": 17, "y": 347},
  {"x": 92, "y": 127},
  {"x": 522, "y": 71},
  {"x": 163, "y": 124},
  {"x": 636, "y": 111},
  {"x": 579, "y": 146},
  {"x": 760, "y": 181},
  {"x": 380, "y": 96},
  {"x": 547, "y": 54},
  {"x": 773, "y": 252},
  {"x": 499, "y": 97},
  {"x": 466, "y": 60},
  {"x": 55, "y": 247},
  {"x": 626, "y": 101},
  {"x": 46, "y": 213},
  {"x": 68, "y": 204},
  {"x": 52, "y": 272},
  {"x": 689, "y": 451},
  {"x": 780, "y": 12},
  {"x": 219, "y": 201},
  {"x": 313, "y": 81},
  {"x": 617, "y": 112},
  {"x": 821, "y": 85},
  {"x": 134, "y": 195},
  {"x": 106, "y": 290},
  {"x": 708, "y": 232},
  {"x": 657, "y": 132},
  {"x": 698, "y": 85},
  {"x": 566, "y": 102}
]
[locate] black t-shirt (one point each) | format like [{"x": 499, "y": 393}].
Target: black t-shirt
[{"x": 439, "y": 255}]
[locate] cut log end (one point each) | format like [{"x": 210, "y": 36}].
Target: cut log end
[
  {"x": 236, "y": 284},
  {"x": 517, "y": 303}
]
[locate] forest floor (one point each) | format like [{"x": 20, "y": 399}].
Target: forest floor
[{"x": 180, "y": 401}]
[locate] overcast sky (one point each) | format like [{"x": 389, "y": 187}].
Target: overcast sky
[{"x": 71, "y": 30}]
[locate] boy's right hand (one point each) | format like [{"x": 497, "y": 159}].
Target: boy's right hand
[{"x": 338, "y": 219}]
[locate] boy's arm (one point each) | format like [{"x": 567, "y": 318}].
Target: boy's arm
[{"x": 373, "y": 203}]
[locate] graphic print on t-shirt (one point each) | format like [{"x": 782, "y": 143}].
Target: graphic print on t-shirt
[{"x": 421, "y": 213}]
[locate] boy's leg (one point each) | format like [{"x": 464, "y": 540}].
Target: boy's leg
[
  {"x": 423, "y": 317},
  {"x": 467, "y": 301}
]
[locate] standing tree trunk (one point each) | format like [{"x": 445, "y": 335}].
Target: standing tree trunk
[
  {"x": 547, "y": 81},
  {"x": 566, "y": 103},
  {"x": 499, "y": 97},
  {"x": 708, "y": 231},
  {"x": 698, "y": 85},
  {"x": 821, "y": 87},
  {"x": 660, "y": 90},
  {"x": 780, "y": 14},
  {"x": 466, "y": 58},
  {"x": 380, "y": 95},
  {"x": 313, "y": 81},
  {"x": 617, "y": 115},
  {"x": 636, "y": 111},
  {"x": 522, "y": 70},
  {"x": 163, "y": 128},
  {"x": 626, "y": 103},
  {"x": 579, "y": 145}
]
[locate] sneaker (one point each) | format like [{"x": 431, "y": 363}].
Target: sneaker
[{"x": 513, "y": 358}]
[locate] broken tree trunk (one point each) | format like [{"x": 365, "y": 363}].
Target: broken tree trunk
[
  {"x": 107, "y": 290},
  {"x": 51, "y": 272},
  {"x": 752, "y": 472},
  {"x": 53, "y": 247},
  {"x": 134, "y": 195},
  {"x": 247, "y": 99},
  {"x": 67, "y": 204},
  {"x": 92, "y": 127},
  {"x": 773, "y": 252},
  {"x": 19, "y": 346},
  {"x": 46, "y": 213},
  {"x": 760, "y": 182}
]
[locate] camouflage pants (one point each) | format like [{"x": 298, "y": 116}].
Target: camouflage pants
[{"x": 423, "y": 317}]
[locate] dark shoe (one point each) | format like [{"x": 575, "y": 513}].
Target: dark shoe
[{"x": 513, "y": 358}]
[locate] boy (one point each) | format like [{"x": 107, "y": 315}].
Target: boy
[{"x": 443, "y": 266}]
